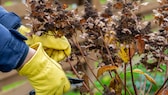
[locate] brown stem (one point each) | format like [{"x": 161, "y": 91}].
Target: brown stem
[
  {"x": 91, "y": 58},
  {"x": 129, "y": 93},
  {"x": 76, "y": 73},
  {"x": 125, "y": 87},
  {"x": 81, "y": 51},
  {"x": 90, "y": 78},
  {"x": 162, "y": 86},
  {"x": 125, "y": 82},
  {"x": 159, "y": 61},
  {"x": 132, "y": 77},
  {"x": 108, "y": 51},
  {"x": 95, "y": 85},
  {"x": 125, "y": 76}
]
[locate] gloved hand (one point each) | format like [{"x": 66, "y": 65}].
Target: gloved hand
[
  {"x": 45, "y": 75},
  {"x": 56, "y": 48}
]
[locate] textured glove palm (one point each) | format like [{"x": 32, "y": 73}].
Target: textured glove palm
[{"x": 56, "y": 48}]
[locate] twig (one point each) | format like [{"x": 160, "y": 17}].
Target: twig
[
  {"x": 125, "y": 76},
  {"x": 91, "y": 58},
  {"x": 114, "y": 64},
  {"x": 167, "y": 68},
  {"x": 90, "y": 78},
  {"x": 156, "y": 70},
  {"x": 78, "y": 46},
  {"x": 128, "y": 91},
  {"x": 107, "y": 49},
  {"x": 132, "y": 77},
  {"x": 95, "y": 85},
  {"x": 144, "y": 87},
  {"x": 76, "y": 73},
  {"x": 162, "y": 86}
]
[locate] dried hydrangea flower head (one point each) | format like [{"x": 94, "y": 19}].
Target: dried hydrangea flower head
[{"x": 51, "y": 15}]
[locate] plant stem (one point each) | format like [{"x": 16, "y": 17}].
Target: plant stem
[
  {"x": 128, "y": 91},
  {"x": 167, "y": 68},
  {"x": 132, "y": 77},
  {"x": 76, "y": 73},
  {"x": 108, "y": 51},
  {"x": 162, "y": 86},
  {"x": 95, "y": 86},
  {"x": 125, "y": 76},
  {"x": 144, "y": 87},
  {"x": 125, "y": 87},
  {"x": 159, "y": 61},
  {"x": 82, "y": 53},
  {"x": 90, "y": 78}
]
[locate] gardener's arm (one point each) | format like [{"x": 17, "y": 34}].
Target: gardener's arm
[{"x": 30, "y": 54}]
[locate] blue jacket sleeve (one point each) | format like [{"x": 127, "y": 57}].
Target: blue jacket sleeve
[
  {"x": 9, "y": 19},
  {"x": 13, "y": 49}
]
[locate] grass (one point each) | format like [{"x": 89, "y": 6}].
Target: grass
[
  {"x": 149, "y": 17},
  {"x": 103, "y": 1},
  {"x": 12, "y": 85}
]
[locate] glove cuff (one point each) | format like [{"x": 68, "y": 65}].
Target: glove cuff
[{"x": 38, "y": 62}]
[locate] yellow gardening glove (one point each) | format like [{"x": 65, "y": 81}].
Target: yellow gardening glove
[
  {"x": 45, "y": 75},
  {"x": 56, "y": 48}
]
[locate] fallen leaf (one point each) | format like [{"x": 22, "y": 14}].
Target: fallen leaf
[{"x": 104, "y": 69}]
